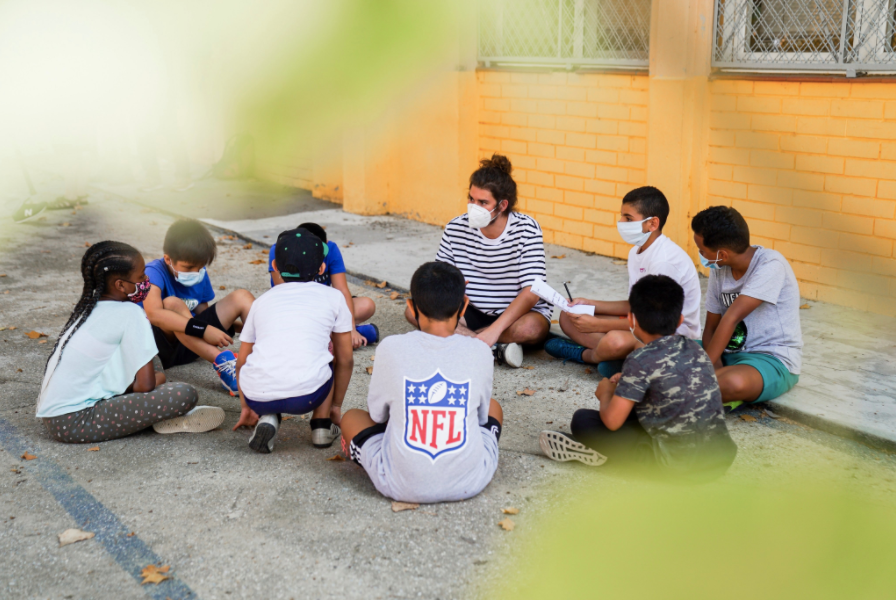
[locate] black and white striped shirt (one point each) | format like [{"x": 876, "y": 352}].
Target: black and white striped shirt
[{"x": 496, "y": 270}]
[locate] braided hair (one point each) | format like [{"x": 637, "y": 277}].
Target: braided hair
[{"x": 101, "y": 261}]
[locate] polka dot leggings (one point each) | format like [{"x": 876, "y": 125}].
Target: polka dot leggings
[{"x": 123, "y": 415}]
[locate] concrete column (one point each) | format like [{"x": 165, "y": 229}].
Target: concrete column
[
  {"x": 678, "y": 120},
  {"x": 365, "y": 173}
]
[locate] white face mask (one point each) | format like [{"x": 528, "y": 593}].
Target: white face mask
[
  {"x": 478, "y": 217},
  {"x": 189, "y": 279},
  {"x": 632, "y": 329},
  {"x": 631, "y": 232}
]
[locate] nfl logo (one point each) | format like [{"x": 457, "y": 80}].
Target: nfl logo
[{"x": 435, "y": 414}]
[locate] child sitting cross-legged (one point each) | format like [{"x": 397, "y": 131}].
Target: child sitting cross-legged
[
  {"x": 664, "y": 410},
  {"x": 284, "y": 364},
  {"x": 185, "y": 325},
  {"x": 100, "y": 383},
  {"x": 431, "y": 433}
]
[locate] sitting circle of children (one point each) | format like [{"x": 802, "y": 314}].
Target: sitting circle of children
[{"x": 431, "y": 429}]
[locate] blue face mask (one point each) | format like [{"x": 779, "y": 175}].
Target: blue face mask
[
  {"x": 709, "y": 264},
  {"x": 189, "y": 279}
]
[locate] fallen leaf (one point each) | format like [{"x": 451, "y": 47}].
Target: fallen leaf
[
  {"x": 18, "y": 370},
  {"x": 66, "y": 224},
  {"x": 620, "y": 262},
  {"x": 394, "y": 296},
  {"x": 70, "y": 536},
  {"x": 87, "y": 244},
  {"x": 381, "y": 284},
  {"x": 587, "y": 370},
  {"x": 529, "y": 367},
  {"x": 2, "y": 274},
  {"x": 131, "y": 534},
  {"x": 507, "y": 524},
  {"x": 400, "y": 506},
  {"x": 256, "y": 262},
  {"x": 373, "y": 357},
  {"x": 13, "y": 328},
  {"x": 247, "y": 247},
  {"x": 287, "y": 417},
  {"x": 549, "y": 422},
  {"x": 154, "y": 574},
  {"x": 805, "y": 306},
  {"x": 525, "y": 392},
  {"x": 748, "y": 418},
  {"x": 555, "y": 321},
  {"x": 560, "y": 256},
  {"x": 94, "y": 449},
  {"x": 380, "y": 296},
  {"x": 27, "y": 456},
  {"x": 17, "y": 470},
  {"x": 370, "y": 370},
  {"x": 2, "y": 328},
  {"x": 222, "y": 287},
  {"x": 34, "y": 334},
  {"x": 510, "y": 511},
  {"x": 42, "y": 342},
  {"x": 337, "y": 458}
]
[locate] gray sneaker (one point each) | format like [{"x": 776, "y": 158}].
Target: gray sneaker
[
  {"x": 560, "y": 447},
  {"x": 509, "y": 354},
  {"x": 198, "y": 420},
  {"x": 262, "y": 439},
  {"x": 323, "y": 437}
]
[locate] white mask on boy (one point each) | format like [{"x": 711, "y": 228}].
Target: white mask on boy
[{"x": 631, "y": 232}]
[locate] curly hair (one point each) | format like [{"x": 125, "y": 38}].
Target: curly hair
[
  {"x": 722, "y": 227},
  {"x": 493, "y": 175}
]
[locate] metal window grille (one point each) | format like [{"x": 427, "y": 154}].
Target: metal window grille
[
  {"x": 827, "y": 35},
  {"x": 565, "y": 32}
]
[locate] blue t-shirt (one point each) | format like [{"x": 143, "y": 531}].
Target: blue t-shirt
[
  {"x": 333, "y": 260},
  {"x": 161, "y": 277}
]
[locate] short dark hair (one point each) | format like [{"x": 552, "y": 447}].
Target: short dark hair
[
  {"x": 650, "y": 202},
  {"x": 722, "y": 227},
  {"x": 190, "y": 241},
  {"x": 657, "y": 301},
  {"x": 316, "y": 229},
  {"x": 437, "y": 290}
]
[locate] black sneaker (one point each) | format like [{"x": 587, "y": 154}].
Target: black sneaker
[
  {"x": 508, "y": 354},
  {"x": 28, "y": 211}
]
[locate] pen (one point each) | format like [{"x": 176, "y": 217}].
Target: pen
[{"x": 567, "y": 290}]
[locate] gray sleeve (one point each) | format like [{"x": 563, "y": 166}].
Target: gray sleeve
[
  {"x": 766, "y": 282},
  {"x": 713, "y": 289},
  {"x": 634, "y": 382}
]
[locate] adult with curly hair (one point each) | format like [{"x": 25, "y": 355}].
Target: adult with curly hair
[{"x": 501, "y": 253}]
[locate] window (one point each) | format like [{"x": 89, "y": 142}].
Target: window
[
  {"x": 565, "y": 32},
  {"x": 827, "y": 35}
]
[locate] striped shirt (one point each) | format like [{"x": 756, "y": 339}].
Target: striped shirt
[{"x": 496, "y": 270}]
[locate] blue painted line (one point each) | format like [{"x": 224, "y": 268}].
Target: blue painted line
[{"x": 131, "y": 553}]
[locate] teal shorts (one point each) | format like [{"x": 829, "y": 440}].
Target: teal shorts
[{"x": 776, "y": 379}]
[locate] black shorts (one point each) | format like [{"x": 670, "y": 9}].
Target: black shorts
[
  {"x": 476, "y": 319},
  {"x": 172, "y": 353}
]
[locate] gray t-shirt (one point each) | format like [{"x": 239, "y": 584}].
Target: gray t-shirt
[
  {"x": 774, "y": 327},
  {"x": 435, "y": 393},
  {"x": 678, "y": 403}
]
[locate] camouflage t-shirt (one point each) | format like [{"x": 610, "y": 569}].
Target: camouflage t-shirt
[{"x": 678, "y": 403}]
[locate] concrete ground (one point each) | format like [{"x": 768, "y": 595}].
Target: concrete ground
[{"x": 293, "y": 524}]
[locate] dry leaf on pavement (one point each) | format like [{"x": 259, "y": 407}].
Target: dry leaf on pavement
[
  {"x": 34, "y": 334},
  {"x": 370, "y": 370},
  {"x": 510, "y": 511},
  {"x": 394, "y": 296},
  {"x": 247, "y": 247},
  {"x": 381, "y": 284},
  {"x": 805, "y": 306},
  {"x": 525, "y": 392},
  {"x": 620, "y": 262},
  {"x": 256, "y": 262},
  {"x": 131, "y": 534},
  {"x": 554, "y": 322},
  {"x": 560, "y": 256},
  {"x": 27, "y": 456},
  {"x": 507, "y": 524},
  {"x": 87, "y": 244},
  {"x": 66, "y": 224},
  {"x": 748, "y": 418},
  {"x": 70, "y": 536},
  {"x": 94, "y": 449},
  {"x": 154, "y": 574},
  {"x": 529, "y": 367},
  {"x": 42, "y": 342},
  {"x": 222, "y": 287},
  {"x": 400, "y": 506},
  {"x": 337, "y": 458},
  {"x": 587, "y": 370}
]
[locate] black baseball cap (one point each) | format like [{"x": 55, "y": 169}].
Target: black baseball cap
[{"x": 299, "y": 254}]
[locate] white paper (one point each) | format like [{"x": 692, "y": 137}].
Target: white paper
[{"x": 550, "y": 295}]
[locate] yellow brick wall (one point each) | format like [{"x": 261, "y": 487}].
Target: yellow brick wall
[
  {"x": 812, "y": 167},
  {"x": 577, "y": 143}
]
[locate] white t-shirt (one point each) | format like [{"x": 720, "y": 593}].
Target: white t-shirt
[
  {"x": 290, "y": 325},
  {"x": 665, "y": 257},
  {"x": 100, "y": 360}
]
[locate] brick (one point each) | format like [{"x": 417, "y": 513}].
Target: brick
[
  {"x": 777, "y": 123},
  {"x": 513, "y": 146},
  {"x": 552, "y": 194},
  {"x": 602, "y": 232},
  {"x": 540, "y": 206},
  {"x": 886, "y": 189},
  {"x": 809, "y": 236},
  {"x": 603, "y": 95},
  {"x": 776, "y": 88},
  {"x": 549, "y": 164},
  {"x": 848, "y": 223},
  {"x": 821, "y": 126},
  {"x": 731, "y": 86},
  {"x": 582, "y": 109},
  {"x": 806, "y": 254},
  {"x": 600, "y": 217},
  {"x": 604, "y": 126},
  {"x": 884, "y": 266},
  {"x": 490, "y": 144},
  {"x": 637, "y": 146},
  {"x": 542, "y": 121},
  {"x": 803, "y": 271},
  {"x": 755, "y": 210},
  {"x": 873, "y": 90},
  {"x": 565, "y": 182},
  {"x": 612, "y": 142},
  {"x": 566, "y": 153},
  {"x": 854, "y": 148},
  {"x": 880, "y": 130},
  {"x": 570, "y": 93},
  {"x": 770, "y": 229},
  {"x": 494, "y": 76},
  {"x": 526, "y": 106},
  {"x": 871, "y": 168},
  {"x": 882, "y": 305},
  {"x": 550, "y": 222},
  {"x": 850, "y": 185},
  {"x": 750, "y": 139},
  {"x": 520, "y": 161},
  {"x": 578, "y": 227},
  {"x": 721, "y": 172},
  {"x": 490, "y": 116},
  {"x": 569, "y": 212},
  {"x": 604, "y": 188},
  {"x": 723, "y": 103},
  {"x": 639, "y": 114},
  {"x": 571, "y": 123},
  {"x": 728, "y": 189},
  {"x": 721, "y": 138},
  {"x": 862, "y": 282},
  {"x": 887, "y": 151},
  {"x": 804, "y": 217},
  {"x": 866, "y": 244},
  {"x": 551, "y": 107},
  {"x": 804, "y": 143},
  {"x": 819, "y": 200},
  {"x": 806, "y": 107},
  {"x": 729, "y": 120},
  {"x": 770, "y": 194},
  {"x": 581, "y": 140},
  {"x": 523, "y": 134},
  {"x": 601, "y": 157},
  {"x": 610, "y": 173},
  {"x": 579, "y": 169},
  {"x": 774, "y": 160},
  {"x": 613, "y": 111},
  {"x": 718, "y": 201},
  {"x": 857, "y": 109},
  {"x": 730, "y": 156},
  {"x": 490, "y": 90},
  {"x": 633, "y": 129},
  {"x": 819, "y": 164},
  {"x": 578, "y": 199},
  {"x": 636, "y": 161},
  {"x": 869, "y": 207},
  {"x": 754, "y": 175},
  {"x": 637, "y": 176},
  {"x": 759, "y": 104},
  {"x": 539, "y": 178},
  {"x": 633, "y": 97},
  {"x": 890, "y": 110},
  {"x": 842, "y": 297},
  {"x": 824, "y": 90},
  {"x": 514, "y": 91},
  {"x": 543, "y": 92},
  {"x": 524, "y": 77},
  {"x": 600, "y": 247},
  {"x": 885, "y": 228},
  {"x": 515, "y": 119},
  {"x": 549, "y": 136},
  {"x": 544, "y": 150}
]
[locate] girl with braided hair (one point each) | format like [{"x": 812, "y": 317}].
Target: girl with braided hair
[{"x": 100, "y": 383}]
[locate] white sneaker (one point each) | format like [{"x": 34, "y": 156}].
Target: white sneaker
[
  {"x": 262, "y": 439},
  {"x": 510, "y": 354},
  {"x": 198, "y": 420},
  {"x": 562, "y": 448},
  {"x": 324, "y": 438}
]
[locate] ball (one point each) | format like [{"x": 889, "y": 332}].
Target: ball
[{"x": 437, "y": 392}]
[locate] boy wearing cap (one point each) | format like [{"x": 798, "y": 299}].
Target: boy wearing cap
[{"x": 284, "y": 364}]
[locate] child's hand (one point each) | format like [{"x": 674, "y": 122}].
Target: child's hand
[
  {"x": 248, "y": 418},
  {"x": 358, "y": 340},
  {"x": 216, "y": 337},
  {"x": 577, "y": 301},
  {"x": 583, "y": 323},
  {"x": 615, "y": 378}
]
